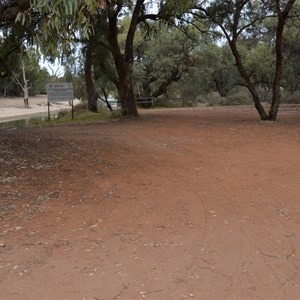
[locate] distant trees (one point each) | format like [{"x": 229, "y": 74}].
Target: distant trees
[
  {"x": 139, "y": 48},
  {"x": 162, "y": 59},
  {"x": 291, "y": 71},
  {"x": 106, "y": 40},
  {"x": 220, "y": 69},
  {"x": 20, "y": 73},
  {"x": 17, "y": 64},
  {"x": 242, "y": 19}
]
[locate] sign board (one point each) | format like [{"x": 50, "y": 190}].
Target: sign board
[{"x": 60, "y": 91}]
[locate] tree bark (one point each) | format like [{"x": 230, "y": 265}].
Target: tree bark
[
  {"x": 163, "y": 88},
  {"x": 262, "y": 113},
  {"x": 106, "y": 100},
  {"x": 92, "y": 95},
  {"x": 124, "y": 61},
  {"x": 282, "y": 16},
  {"x": 25, "y": 86},
  {"x": 127, "y": 97}
]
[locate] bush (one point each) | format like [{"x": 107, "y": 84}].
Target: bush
[
  {"x": 169, "y": 102},
  {"x": 292, "y": 99},
  {"x": 62, "y": 113},
  {"x": 238, "y": 96},
  {"x": 82, "y": 106}
]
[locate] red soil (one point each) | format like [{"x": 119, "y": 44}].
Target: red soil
[{"x": 180, "y": 204}]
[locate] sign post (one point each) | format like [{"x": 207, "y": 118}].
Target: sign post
[{"x": 60, "y": 91}]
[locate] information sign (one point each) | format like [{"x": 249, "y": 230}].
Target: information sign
[{"x": 60, "y": 91}]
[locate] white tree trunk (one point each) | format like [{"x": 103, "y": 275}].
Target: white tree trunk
[{"x": 24, "y": 85}]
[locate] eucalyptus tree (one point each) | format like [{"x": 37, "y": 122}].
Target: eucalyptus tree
[
  {"x": 15, "y": 41},
  {"x": 291, "y": 73},
  {"x": 12, "y": 34},
  {"x": 220, "y": 66},
  {"x": 11, "y": 45},
  {"x": 242, "y": 18},
  {"x": 99, "y": 23},
  {"x": 162, "y": 59},
  {"x": 9, "y": 9},
  {"x": 106, "y": 40}
]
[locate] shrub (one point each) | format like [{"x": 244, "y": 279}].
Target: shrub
[
  {"x": 292, "y": 99},
  {"x": 82, "y": 106},
  {"x": 62, "y": 113}
]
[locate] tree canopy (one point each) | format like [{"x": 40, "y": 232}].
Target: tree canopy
[
  {"x": 9, "y": 9},
  {"x": 143, "y": 48}
]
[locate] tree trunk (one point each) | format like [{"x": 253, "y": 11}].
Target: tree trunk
[
  {"x": 278, "y": 74},
  {"x": 221, "y": 88},
  {"x": 146, "y": 89},
  {"x": 89, "y": 81},
  {"x": 163, "y": 88},
  {"x": 124, "y": 61},
  {"x": 262, "y": 113},
  {"x": 126, "y": 94},
  {"x": 25, "y": 87},
  {"x": 282, "y": 16},
  {"x": 106, "y": 100}
]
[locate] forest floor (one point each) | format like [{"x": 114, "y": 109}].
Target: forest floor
[{"x": 196, "y": 203}]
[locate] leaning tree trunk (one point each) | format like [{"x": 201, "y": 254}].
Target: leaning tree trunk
[
  {"x": 163, "y": 87},
  {"x": 262, "y": 113},
  {"x": 92, "y": 95}
]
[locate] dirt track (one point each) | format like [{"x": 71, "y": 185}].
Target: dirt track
[{"x": 181, "y": 204}]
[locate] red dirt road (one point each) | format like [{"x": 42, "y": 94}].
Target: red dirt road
[{"x": 181, "y": 204}]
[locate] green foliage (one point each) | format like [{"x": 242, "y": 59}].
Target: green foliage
[
  {"x": 213, "y": 70},
  {"x": 58, "y": 21},
  {"x": 162, "y": 60},
  {"x": 167, "y": 103},
  {"x": 291, "y": 74},
  {"x": 10, "y": 49},
  {"x": 73, "y": 72},
  {"x": 36, "y": 76},
  {"x": 183, "y": 63},
  {"x": 81, "y": 115},
  {"x": 238, "y": 96}
]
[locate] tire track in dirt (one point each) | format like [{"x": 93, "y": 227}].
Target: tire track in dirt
[{"x": 181, "y": 206}]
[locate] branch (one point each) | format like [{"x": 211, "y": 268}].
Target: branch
[
  {"x": 153, "y": 17},
  {"x": 16, "y": 80},
  {"x": 10, "y": 9}
]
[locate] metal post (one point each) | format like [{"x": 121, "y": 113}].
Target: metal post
[
  {"x": 48, "y": 111},
  {"x": 72, "y": 111}
]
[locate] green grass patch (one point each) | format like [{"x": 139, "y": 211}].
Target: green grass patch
[{"x": 64, "y": 117}]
